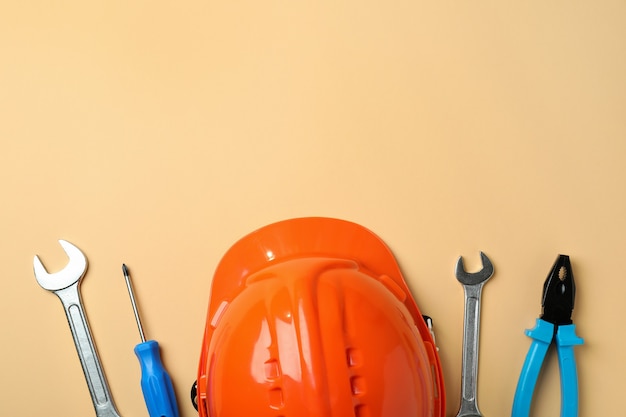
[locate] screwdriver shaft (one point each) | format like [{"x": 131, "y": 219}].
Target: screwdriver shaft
[{"x": 133, "y": 302}]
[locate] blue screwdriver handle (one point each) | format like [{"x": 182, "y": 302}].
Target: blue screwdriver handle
[{"x": 156, "y": 383}]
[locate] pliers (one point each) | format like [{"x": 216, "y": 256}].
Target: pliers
[{"x": 554, "y": 325}]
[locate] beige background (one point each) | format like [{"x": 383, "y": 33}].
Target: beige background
[{"x": 159, "y": 133}]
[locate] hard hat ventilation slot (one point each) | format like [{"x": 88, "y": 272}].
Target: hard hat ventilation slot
[
  {"x": 357, "y": 385},
  {"x": 362, "y": 411},
  {"x": 272, "y": 369},
  {"x": 276, "y": 398},
  {"x": 354, "y": 357}
]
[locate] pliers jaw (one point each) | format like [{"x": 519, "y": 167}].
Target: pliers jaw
[{"x": 559, "y": 292}]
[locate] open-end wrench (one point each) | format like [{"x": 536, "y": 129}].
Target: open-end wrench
[
  {"x": 65, "y": 284},
  {"x": 473, "y": 287}
]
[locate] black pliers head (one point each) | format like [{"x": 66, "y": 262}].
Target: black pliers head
[{"x": 559, "y": 292}]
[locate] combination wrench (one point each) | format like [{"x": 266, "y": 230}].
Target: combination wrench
[
  {"x": 65, "y": 284},
  {"x": 473, "y": 286}
]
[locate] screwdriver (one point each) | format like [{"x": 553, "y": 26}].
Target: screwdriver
[{"x": 156, "y": 383}]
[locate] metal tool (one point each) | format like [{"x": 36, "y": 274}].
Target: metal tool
[
  {"x": 473, "y": 285},
  {"x": 554, "y": 326},
  {"x": 65, "y": 284},
  {"x": 156, "y": 383}
]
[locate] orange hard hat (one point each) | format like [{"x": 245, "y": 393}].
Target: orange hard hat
[{"x": 311, "y": 317}]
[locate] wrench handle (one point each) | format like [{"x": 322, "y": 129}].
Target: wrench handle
[
  {"x": 87, "y": 353},
  {"x": 471, "y": 330}
]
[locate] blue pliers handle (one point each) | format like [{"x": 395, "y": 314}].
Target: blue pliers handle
[
  {"x": 565, "y": 339},
  {"x": 554, "y": 326}
]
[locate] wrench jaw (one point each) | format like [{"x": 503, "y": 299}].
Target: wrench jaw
[
  {"x": 69, "y": 275},
  {"x": 474, "y": 278}
]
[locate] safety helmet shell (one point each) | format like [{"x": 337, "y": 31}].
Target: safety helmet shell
[{"x": 311, "y": 317}]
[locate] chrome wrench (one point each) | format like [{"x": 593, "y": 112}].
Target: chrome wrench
[
  {"x": 473, "y": 286},
  {"x": 65, "y": 284}
]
